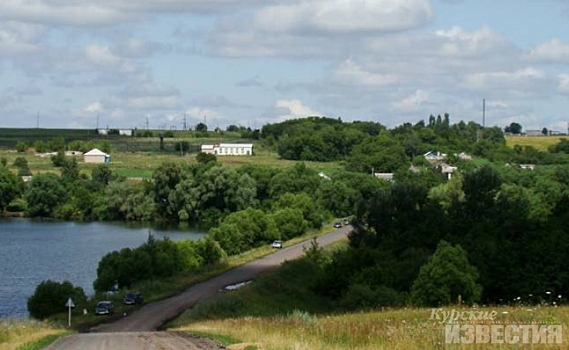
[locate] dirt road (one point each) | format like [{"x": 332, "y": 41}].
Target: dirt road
[{"x": 137, "y": 331}]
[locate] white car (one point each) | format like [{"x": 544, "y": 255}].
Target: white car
[{"x": 277, "y": 244}]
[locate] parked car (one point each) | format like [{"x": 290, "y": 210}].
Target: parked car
[
  {"x": 346, "y": 221},
  {"x": 337, "y": 224},
  {"x": 277, "y": 244},
  {"x": 104, "y": 308},
  {"x": 132, "y": 298}
]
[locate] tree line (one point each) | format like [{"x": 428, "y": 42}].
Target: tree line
[
  {"x": 366, "y": 145},
  {"x": 499, "y": 226}
]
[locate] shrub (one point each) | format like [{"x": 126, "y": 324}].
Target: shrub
[
  {"x": 50, "y": 297},
  {"x": 446, "y": 278}
]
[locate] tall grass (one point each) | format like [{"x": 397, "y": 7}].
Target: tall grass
[
  {"x": 407, "y": 329},
  {"x": 281, "y": 311},
  {"x": 27, "y": 334}
]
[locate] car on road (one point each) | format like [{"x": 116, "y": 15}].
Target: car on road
[
  {"x": 277, "y": 244},
  {"x": 104, "y": 308},
  {"x": 132, "y": 298},
  {"x": 337, "y": 224},
  {"x": 346, "y": 221}
]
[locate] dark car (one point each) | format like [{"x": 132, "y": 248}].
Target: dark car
[
  {"x": 104, "y": 308},
  {"x": 132, "y": 298},
  {"x": 337, "y": 224}
]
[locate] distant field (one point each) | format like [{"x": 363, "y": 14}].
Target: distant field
[
  {"x": 539, "y": 142},
  {"x": 143, "y": 164}
]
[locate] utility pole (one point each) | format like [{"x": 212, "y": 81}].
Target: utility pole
[
  {"x": 146, "y": 123},
  {"x": 483, "y": 112}
]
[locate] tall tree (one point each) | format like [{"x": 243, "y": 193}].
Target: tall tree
[
  {"x": 446, "y": 278},
  {"x": 44, "y": 195},
  {"x": 10, "y": 187}
]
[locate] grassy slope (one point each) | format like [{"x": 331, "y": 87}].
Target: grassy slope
[
  {"x": 20, "y": 335},
  {"x": 279, "y": 311},
  {"x": 404, "y": 329}
]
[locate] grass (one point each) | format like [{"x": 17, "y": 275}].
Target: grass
[
  {"x": 143, "y": 164},
  {"x": 28, "y": 335},
  {"x": 541, "y": 143},
  {"x": 280, "y": 311},
  {"x": 408, "y": 329}
]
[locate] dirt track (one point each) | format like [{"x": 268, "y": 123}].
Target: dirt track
[{"x": 137, "y": 331}]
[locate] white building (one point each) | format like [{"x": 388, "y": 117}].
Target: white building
[
  {"x": 96, "y": 156},
  {"x": 229, "y": 149}
]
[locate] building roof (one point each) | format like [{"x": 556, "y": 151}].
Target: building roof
[
  {"x": 235, "y": 145},
  {"x": 95, "y": 152}
]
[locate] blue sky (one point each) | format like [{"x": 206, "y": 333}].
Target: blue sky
[{"x": 251, "y": 62}]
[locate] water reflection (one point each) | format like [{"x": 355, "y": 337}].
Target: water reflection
[{"x": 32, "y": 251}]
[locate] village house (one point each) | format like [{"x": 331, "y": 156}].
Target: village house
[{"x": 96, "y": 156}]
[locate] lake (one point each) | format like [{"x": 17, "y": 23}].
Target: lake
[{"x": 32, "y": 251}]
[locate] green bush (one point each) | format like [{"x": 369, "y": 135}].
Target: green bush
[
  {"x": 50, "y": 298},
  {"x": 446, "y": 278}
]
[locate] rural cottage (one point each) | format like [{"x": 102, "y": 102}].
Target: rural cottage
[{"x": 96, "y": 156}]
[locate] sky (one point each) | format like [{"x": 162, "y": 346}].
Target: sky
[{"x": 157, "y": 63}]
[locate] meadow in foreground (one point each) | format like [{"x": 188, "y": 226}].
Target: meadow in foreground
[{"x": 406, "y": 328}]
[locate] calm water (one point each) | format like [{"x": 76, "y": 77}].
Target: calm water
[{"x": 34, "y": 251}]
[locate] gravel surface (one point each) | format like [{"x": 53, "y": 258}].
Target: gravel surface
[{"x": 138, "y": 330}]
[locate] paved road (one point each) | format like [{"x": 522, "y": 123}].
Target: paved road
[{"x": 152, "y": 316}]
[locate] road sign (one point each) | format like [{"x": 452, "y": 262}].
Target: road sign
[{"x": 70, "y": 304}]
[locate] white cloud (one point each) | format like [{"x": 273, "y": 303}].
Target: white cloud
[
  {"x": 554, "y": 51},
  {"x": 291, "y": 109},
  {"x": 19, "y": 38},
  {"x": 94, "y": 107},
  {"x": 58, "y": 12},
  {"x": 497, "y": 105},
  {"x": 351, "y": 73},
  {"x": 506, "y": 79},
  {"x": 91, "y": 13},
  {"x": 100, "y": 56},
  {"x": 344, "y": 16},
  {"x": 201, "y": 114},
  {"x": 563, "y": 82},
  {"x": 458, "y": 42},
  {"x": 413, "y": 102}
]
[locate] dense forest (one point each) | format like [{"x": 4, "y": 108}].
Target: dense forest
[{"x": 492, "y": 233}]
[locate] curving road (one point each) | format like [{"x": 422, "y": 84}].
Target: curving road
[{"x": 137, "y": 331}]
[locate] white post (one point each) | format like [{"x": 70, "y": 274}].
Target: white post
[{"x": 70, "y": 304}]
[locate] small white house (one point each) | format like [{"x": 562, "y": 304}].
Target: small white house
[
  {"x": 96, "y": 156},
  {"x": 208, "y": 149},
  {"x": 229, "y": 149},
  {"x": 384, "y": 176},
  {"x": 434, "y": 156}
]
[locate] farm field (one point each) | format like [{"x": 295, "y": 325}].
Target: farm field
[
  {"x": 137, "y": 157},
  {"x": 142, "y": 164},
  {"x": 539, "y": 142}
]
